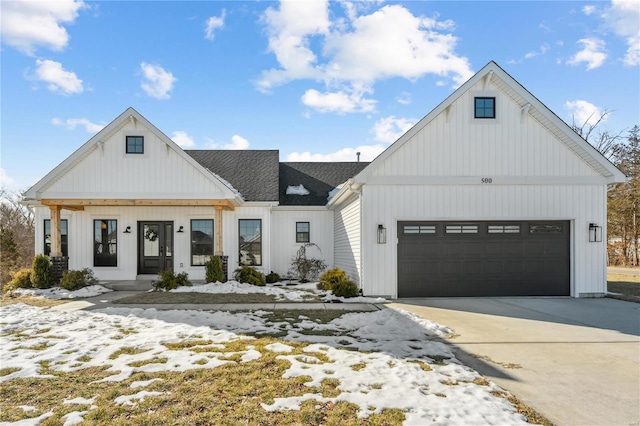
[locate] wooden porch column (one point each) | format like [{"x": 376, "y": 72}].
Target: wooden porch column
[
  {"x": 218, "y": 221},
  {"x": 56, "y": 239}
]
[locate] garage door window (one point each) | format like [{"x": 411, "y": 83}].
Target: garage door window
[
  {"x": 546, "y": 228},
  {"x": 419, "y": 229},
  {"x": 461, "y": 229},
  {"x": 503, "y": 229}
]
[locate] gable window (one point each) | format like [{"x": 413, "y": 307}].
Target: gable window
[
  {"x": 250, "y": 242},
  {"x": 302, "y": 232},
  {"x": 64, "y": 237},
  {"x": 201, "y": 241},
  {"x": 105, "y": 242},
  {"x": 484, "y": 107},
  {"x": 135, "y": 144}
]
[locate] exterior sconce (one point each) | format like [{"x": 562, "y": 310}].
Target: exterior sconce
[
  {"x": 127, "y": 230},
  {"x": 180, "y": 230},
  {"x": 595, "y": 233},
  {"x": 382, "y": 234}
]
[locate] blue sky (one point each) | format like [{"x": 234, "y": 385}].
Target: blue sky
[{"x": 317, "y": 80}]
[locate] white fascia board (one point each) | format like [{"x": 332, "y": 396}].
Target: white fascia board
[{"x": 349, "y": 188}]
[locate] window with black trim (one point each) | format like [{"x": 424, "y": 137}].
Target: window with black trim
[
  {"x": 135, "y": 144},
  {"x": 64, "y": 237},
  {"x": 250, "y": 242},
  {"x": 461, "y": 229},
  {"x": 201, "y": 241},
  {"x": 419, "y": 229},
  {"x": 484, "y": 107},
  {"x": 302, "y": 232},
  {"x": 105, "y": 242}
]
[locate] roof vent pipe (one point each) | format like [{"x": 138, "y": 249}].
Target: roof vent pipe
[{"x": 358, "y": 156}]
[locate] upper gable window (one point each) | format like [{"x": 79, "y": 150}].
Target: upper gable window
[
  {"x": 135, "y": 144},
  {"x": 484, "y": 107}
]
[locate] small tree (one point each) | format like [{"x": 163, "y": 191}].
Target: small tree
[
  {"x": 213, "y": 270},
  {"x": 305, "y": 268},
  {"x": 41, "y": 273}
]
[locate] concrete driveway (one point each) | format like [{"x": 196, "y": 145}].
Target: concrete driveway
[{"x": 575, "y": 361}]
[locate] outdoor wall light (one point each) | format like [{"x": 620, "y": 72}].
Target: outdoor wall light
[
  {"x": 382, "y": 234},
  {"x": 181, "y": 229},
  {"x": 595, "y": 233},
  {"x": 127, "y": 230}
]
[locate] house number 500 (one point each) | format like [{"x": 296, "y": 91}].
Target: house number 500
[{"x": 486, "y": 180}]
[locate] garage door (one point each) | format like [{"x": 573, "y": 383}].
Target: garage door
[{"x": 443, "y": 259}]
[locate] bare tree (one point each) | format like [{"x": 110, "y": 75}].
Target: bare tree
[
  {"x": 605, "y": 141},
  {"x": 16, "y": 234}
]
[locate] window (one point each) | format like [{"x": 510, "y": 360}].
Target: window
[
  {"x": 485, "y": 108},
  {"x": 546, "y": 228},
  {"x": 250, "y": 243},
  {"x": 135, "y": 144},
  {"x": 302, "y": 232},
  {"x": 461, "y": 229},
  {"x": 63, "y": 235},
  {"x": 105, "y": 242},
  {"x": 503, "y": 229},
  {"x": 201, "y": 241},
  {"x": 419, "y": 229}
]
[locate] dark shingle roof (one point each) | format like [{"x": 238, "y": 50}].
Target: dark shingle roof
[
  {"x": 254, "y": 173},
  {"x": 318, "y": 178}
]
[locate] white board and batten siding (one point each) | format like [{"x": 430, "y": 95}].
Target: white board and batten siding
[
  {"x": 460, "y": 168},
  {"x": 107, "y": 171},
  {"x": 283, "y": 230},
  {"x": 347, "y": 239}
]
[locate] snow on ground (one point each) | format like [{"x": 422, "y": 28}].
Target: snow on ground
[
  {"x": 294, "y": 293},
  {"x": 384, "y": 345},
  {"x": 61, "y": 293}
]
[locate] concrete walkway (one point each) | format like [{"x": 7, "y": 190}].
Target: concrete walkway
[
  {"x": 576, "y": 361},
  {"x": 106, "y": 300}
]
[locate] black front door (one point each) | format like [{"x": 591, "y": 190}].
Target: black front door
[{"x": 155, "y": 247}]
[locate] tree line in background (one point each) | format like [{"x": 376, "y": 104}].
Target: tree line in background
[
  {"x": 623, "y": 210},
  {"x": 623, "y": 220}
]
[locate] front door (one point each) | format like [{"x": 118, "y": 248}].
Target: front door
[{"x": 155, "y": 247}]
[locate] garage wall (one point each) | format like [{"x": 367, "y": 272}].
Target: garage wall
[
  {"x": 388, "y": 204},
  {"x": 347, "y": 239}
]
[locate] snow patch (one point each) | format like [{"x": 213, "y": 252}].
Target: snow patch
[{"x": 297, "y": 190}]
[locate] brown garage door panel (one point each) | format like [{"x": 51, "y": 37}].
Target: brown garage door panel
[{"x": 500, "y": 259}]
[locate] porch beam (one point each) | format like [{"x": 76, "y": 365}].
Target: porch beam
[
  {"x": 218, "y": 251},
  {"x": 79, "y": 204},
  {"x": 56, "y": 238}
]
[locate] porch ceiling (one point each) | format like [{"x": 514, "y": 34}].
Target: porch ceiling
[{"x": 80, "y": 204}]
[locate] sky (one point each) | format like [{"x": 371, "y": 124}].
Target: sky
[
  {"x": 317, "y": 80},
  {"x": 387, "y": 342}
]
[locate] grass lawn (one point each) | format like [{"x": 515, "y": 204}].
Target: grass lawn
[
  {"x": 41, "y": 302},
  {"x": 627, "y": 286}
]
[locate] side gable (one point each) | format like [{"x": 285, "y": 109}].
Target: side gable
[
  {"x": 525, "y": 140},
  {"x": 101, "y": 168},
  {"x": 318, "y": 178}
]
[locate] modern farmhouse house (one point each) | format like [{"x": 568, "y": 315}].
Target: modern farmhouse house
[{"x": 489, "y": 194}]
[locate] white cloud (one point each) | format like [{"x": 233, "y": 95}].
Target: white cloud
[
  {"x": 72, "y": 123},
  {"x": 339, "y": 102},
  {"x": 543, "y": 49},
  {"x": 623, "y": 17},
  {"x": 5, "y": 180},
  {"x": 214, "y": 23},
  {"x": 592, "y": 53},
  {"x": 367, "y": 153},
  {"x": 350, "y": 55},
  {"x": 389, "y": 129},
  {"x": 158, "y": 82},
  {"x": 26, "y": 25},
  {"x": 588, "y": 9},
  {"x": 583, "y": 112},
  {"x": 237, "y": 143},
  {"x": 183, "y": 139},
  {"x": 59, "y": 80},
  {"x": 404, "y": 98}
]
